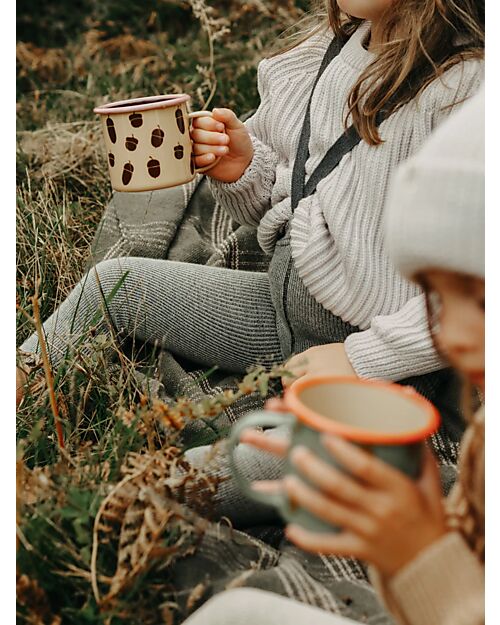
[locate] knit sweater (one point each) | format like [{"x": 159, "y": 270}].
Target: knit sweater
[
  {"x": 444, "y": 584},
  {"x": 337, "y": 233}
]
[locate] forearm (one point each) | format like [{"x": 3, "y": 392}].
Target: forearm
[
  {"x": 395, "y": 346},
  {"x": 248, "y": 199}
]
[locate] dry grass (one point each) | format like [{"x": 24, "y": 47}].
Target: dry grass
[
  {"x": 63, "y": 185},
  {"x": 73, "y": 544}
]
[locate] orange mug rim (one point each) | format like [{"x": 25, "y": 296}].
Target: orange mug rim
[
  {"x": 145, "y": 103},
  {"x": 319, "y": 422}
]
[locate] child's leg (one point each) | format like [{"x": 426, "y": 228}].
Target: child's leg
[
  {"x": 247, "y": 606},
  {"x": 229, "y": 501},
  {"x": 211, "y": 315}
]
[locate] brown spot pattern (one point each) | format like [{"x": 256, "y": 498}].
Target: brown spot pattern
[
  {"x": 128, "y": 170},
  {"x": 135, "y": 119},
  {"x": 154, "y": 168},
  {"x": 157, "y": 137},
  {"x": 111, "y": 129},
  {"x": 179, "y": 118},
  {"x": 131, "y": 143}
]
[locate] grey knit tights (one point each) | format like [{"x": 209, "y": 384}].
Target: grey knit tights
[{"x": 210, "y": 315}]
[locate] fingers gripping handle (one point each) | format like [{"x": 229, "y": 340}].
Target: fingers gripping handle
[
  {"x": 201, "y": 170},
  {"x": 256, "y": 419}
]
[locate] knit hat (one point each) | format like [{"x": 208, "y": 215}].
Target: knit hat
[{"x": 435, "y": 208}]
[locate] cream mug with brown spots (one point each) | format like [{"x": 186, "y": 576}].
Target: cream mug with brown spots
[{"x": 148, "y": 142}]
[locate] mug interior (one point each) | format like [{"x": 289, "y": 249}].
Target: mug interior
[{"x": 364, "y": 411}]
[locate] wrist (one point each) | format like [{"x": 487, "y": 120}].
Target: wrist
[
  {"x": 232, "y": 170},
  {"x": 245, "y": 164},
  {"x": 417, "y": 548}
]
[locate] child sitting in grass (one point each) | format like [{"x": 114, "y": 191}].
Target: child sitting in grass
[
  {"x": 388, "y": 70},
  {"x": 427, "y": 557}
]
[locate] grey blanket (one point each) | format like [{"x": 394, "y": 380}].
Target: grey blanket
[{"x": 185, "y": 224}]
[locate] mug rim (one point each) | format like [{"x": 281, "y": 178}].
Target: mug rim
[
  {"x": 319, "y": 422},
  {"x": 146, "y": 103}
]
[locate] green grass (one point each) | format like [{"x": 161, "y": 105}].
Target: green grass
[{"x": 70, "y": 57}]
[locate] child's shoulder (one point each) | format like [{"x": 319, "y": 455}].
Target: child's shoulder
[
  {"x": 305, "y": 58},
  {"x": 457, "y": 83}
]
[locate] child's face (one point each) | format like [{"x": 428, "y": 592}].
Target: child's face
[
  {"x": 457, "y": 304},
  {"x": 365, "y": 9}
]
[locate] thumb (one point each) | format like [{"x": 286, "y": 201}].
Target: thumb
[{"x": 228, "y": 118}]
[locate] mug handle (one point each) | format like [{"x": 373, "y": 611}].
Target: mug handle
[
  {"x": 201, "y": 170},
  {"x": 259, "y": 418}
]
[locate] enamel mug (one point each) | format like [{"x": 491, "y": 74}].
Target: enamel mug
[
  {"x": 148, "y": 142},
  {"x": 388, "y": 420}
]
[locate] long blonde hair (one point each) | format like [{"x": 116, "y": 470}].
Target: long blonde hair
[{"x": 423, "y": 38}]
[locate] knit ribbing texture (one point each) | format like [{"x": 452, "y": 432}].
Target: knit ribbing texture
[
  {"x": 337, "y": 233},
  {"x": 212, "y": 315}
]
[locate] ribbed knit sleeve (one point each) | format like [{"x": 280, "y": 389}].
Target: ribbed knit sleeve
[
  {"x": 443, "y": 585},
  {"x": 248, "y": 198},
  {"x": 396, "y": 346}
]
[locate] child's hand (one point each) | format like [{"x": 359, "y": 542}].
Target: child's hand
[
  {"x": 223, "y": 135},
  {"x": 329, "y": 359},
  {"x": 387, "y": 518}
]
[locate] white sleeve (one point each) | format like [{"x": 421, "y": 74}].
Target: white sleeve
[
  {"x": 247, "y": 199},
  {"x": 395, "y": 346}
]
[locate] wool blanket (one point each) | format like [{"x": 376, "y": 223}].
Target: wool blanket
[{"x": 186, "y": 224}]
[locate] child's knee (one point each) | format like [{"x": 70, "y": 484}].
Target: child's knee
[{"x": 109, "y": 276}]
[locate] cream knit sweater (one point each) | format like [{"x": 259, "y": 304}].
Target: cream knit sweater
[{"x": 337, "y": 233}]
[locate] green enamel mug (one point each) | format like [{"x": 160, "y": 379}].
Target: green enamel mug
[{"x": 389, "y": 420}]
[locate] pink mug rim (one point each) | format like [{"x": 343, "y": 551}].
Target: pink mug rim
[{"x": 146, "y": 103}]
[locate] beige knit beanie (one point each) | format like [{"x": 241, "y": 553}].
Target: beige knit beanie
[{"x": 435, "y": 208}]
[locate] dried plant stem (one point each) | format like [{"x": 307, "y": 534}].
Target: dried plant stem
[
  {"x": 95, "y": 534},
  {"x": 211, "y": 67},
  {"x": 47, "y": 369},
  {"x": 214, "y": 28}
]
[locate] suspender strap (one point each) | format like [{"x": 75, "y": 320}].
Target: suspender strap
[
  {"x": 344, "y": 144},
  {"x": 299, "y": 167}
]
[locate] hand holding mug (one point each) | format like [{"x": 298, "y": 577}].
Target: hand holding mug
[
  {"x": 388, "y": 421},
  {"x": 387, "y": 518},
  {"x": 222, "y": 135},
  {"x": 355, "y": 484}
]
